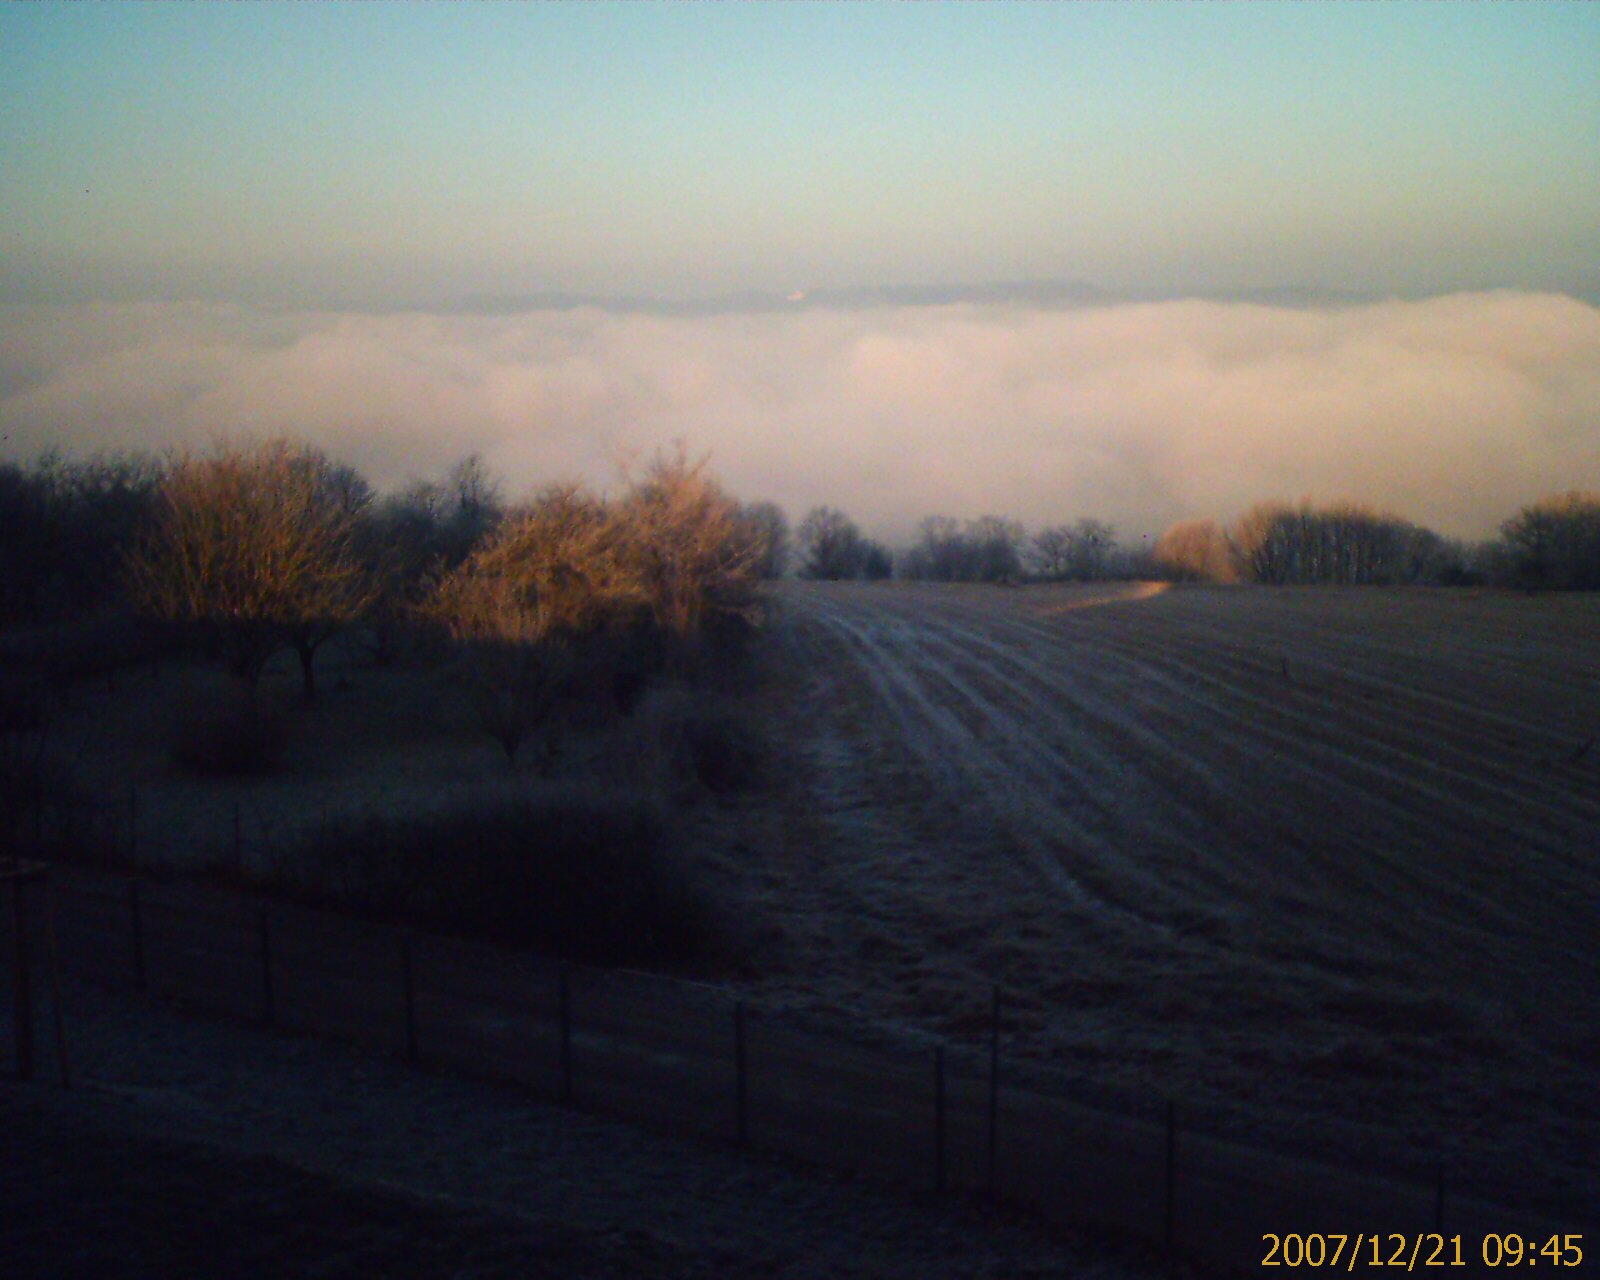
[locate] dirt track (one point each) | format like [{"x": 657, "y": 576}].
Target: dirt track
[{"x": 1316, "y": 862}]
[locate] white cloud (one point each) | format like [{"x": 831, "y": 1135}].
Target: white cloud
[{"x": 1452, "y": 410}]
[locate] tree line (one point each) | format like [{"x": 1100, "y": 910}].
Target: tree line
[
  {"x": 276, "y": 546},
  {"x": 1553, "y": 544},
  {"x": 250, "y": 551}
]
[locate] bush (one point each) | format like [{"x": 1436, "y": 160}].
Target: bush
[
  {"x": 565, "y": 870},
  {"x": 680, "y": 739},
  {"x": 230, "y": 734}
]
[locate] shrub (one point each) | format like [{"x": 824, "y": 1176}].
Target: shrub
[
  {"x": 230, "y": 734},
  {"x": 567, "y": 870},
  {"x": 680, "y": 739},
  {"x": 726, "y": 753}
]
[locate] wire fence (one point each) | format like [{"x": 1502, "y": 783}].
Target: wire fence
[{"x": 698, "y": 1060}]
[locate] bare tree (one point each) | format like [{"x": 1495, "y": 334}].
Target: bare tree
[
  {"x": 995, "y": 548},
  {"x": 877, "y": 561},
  {"x": 426, "y": 529},
  {"x": 64, "y": 526},
  {"x": 1556, "y": 542},
  {"x": 1343, "y": 542},
  {"x": 1262, "y": 543},
  {"x": 347, "y": 496},
  {"x": 1093, "y": 542},
  {"x": 469, "y": 506},
  {"x": 988, "y": 549},
  {"x": 674, "y": 550},
  {"x": 548, "y": 574},
  {"x": 257, "y": 545},
  {"x": 940, "y": 553},
  {"x": 1052, "y": 552},
  {"x": 769, "y": 530},
  {"x": 831, "y": 545},
  {"x": 1195, "y": 551},
  {"x": 28, "y": 530},
  {"x": 691, "y": 553}
]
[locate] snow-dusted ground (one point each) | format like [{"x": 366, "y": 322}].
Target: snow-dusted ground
[{"x": 1317, "y": 863}]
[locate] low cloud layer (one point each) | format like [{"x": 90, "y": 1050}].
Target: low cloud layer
[{"x": 1453, "y": 411}]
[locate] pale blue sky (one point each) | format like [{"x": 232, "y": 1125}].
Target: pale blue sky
[{"x": 411, "y": 155}]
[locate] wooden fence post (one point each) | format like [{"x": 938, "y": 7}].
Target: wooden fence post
[
  {"x": 938, "y": 1118},
  {"x": 408, "y": 978},
  {"x": 1438, "y": 1197},
  {"x": 1169, "y": 1197},
  {"x": 994, "y": 1093},
  {"x": 53, "y": 957},
  {"x": 565, "y": 1014},
  {"x": 741, "y": 1096},
  {"x": 269, "y": 1003},
  {"x": 136, "y": 925},
  {"x": 22, "y": 1009}
]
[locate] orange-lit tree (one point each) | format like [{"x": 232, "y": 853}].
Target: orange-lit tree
[
  {"x": 691, "y": 552},
  {"x": 256, "y": 545},
  {"x": 550, "y": 573}
]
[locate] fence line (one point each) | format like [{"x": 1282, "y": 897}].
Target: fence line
[{"x": 700, "y": 1060}]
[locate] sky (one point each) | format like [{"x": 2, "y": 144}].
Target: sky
[{"x": 1135, "y": 261}]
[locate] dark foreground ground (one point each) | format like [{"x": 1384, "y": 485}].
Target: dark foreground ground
[
  {"x": 82, "y": 1199},
  {"x": 193, "y": 1149}
]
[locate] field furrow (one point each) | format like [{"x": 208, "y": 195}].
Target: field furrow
[{"x": 1323, "y": 859}]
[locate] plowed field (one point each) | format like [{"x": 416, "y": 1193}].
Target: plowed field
[{"x": 1320, "y": 864}]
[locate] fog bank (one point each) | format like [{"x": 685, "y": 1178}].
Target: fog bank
[{"x": 1453, "y": 411}]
